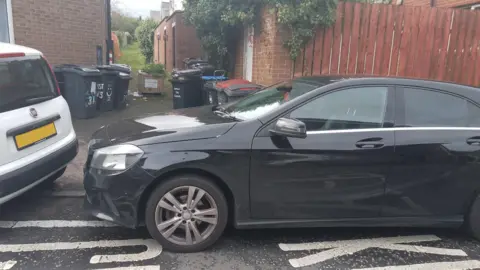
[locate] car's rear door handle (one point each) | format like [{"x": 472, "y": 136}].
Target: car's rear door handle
[
  {"x": 370, "y": 143},
  {"x": 473, "y": 141}
]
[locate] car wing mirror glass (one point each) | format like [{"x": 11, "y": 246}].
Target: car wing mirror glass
[{"x": 287, "y": 127}]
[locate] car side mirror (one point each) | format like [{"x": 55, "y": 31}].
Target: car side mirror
[{"x": 289, "y": 128}]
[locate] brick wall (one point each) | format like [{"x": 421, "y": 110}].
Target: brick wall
[
  {"x": 186, "y": 42},
  {"x": 66, "y": 31},
  {"x": 271, "y": 62}
]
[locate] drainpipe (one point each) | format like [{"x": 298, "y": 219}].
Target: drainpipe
[{"x": 109, "y": 41}]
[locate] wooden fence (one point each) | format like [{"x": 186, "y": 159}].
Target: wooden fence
[{"x": 406, "y": 41}]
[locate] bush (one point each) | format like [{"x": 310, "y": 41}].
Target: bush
[
  {"x": 145, "y": 34},
  {"x": 156, "y": 70}
]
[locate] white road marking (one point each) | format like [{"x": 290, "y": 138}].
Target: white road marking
[
  {"x": 347, "y": 247},
  {"x": 459, "y": 265},
  {"x": 7, "y": 265},
  {"x": 146, "y": 267},
  {"x": 153, "y": 249},
  {"x": 55, "y": 224}
]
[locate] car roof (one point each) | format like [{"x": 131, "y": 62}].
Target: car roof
[
  {"x": 13, "y": 48},
  {"x": 329, "y": 79}
]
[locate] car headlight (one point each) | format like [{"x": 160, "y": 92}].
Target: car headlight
[{"x": 116, "y": 158}]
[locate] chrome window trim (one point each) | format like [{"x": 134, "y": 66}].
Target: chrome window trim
[{"x": 389, "y": 129}]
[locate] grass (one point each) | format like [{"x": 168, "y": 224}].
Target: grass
[{"x": 132, "y": 56}]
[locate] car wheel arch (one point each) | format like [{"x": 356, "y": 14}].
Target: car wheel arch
[{"x": 227, "y": 192}]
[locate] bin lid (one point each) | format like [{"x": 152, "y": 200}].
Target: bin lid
[
  {"x": 214, "y": 78},
  {"x": 186, "y": 74},
  {"x": 82, "y": 70},
  {"x": 116, "y": 68},
  {"x": 228, "y": 83}
]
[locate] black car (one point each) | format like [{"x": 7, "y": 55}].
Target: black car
[{"x": 311, "y": 152}]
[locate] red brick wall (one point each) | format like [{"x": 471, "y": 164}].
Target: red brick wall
[
  {"x": 186, "y": 42},
  {"x": 271, "y": 62},
  {"x": 66, "y": 31}
]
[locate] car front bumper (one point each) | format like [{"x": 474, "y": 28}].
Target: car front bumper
[
  {"x": 116, "y": 198},
  {"x": 15, "y": 183}
]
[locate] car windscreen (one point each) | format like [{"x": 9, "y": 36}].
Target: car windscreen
[
  {"x": 269, "y": 98},
  {"x": 25, "y": 81}
]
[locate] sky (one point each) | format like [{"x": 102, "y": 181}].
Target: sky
[{"x": 138, "y": 7}]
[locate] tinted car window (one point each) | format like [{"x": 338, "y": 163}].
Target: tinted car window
[
  {"x": 267, "y": 99},
  {"x": 24, "y": 82},
  {"x": 345, "y": 109},
  {"x": 424, "y": 108}
]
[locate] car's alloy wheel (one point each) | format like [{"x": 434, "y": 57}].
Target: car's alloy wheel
[{"x": 186, "y": 214}]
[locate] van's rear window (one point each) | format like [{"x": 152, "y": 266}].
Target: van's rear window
[{"x": 25, "y": 81}]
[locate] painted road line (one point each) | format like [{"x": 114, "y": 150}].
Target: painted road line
[
  {"x": 380, "y": 240},
  {"x": 459, "y": 265},
  {"x": 153, "y": 249},
  {"x": 146, "y": 267},
  {"x": 348, "y": 247},
  {"x": 55, "y": 224},
  {"x": 7, "y": 265}
]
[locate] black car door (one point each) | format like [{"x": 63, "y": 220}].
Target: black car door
[
  {"x": 339, "y": 170},
  {"x": 437, "y": 142}
]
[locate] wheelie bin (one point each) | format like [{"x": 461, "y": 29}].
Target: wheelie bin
[
  {"x": 187, "y": 88},
  {"x": 79, "y": 85}
]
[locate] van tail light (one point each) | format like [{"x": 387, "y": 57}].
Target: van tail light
[
  {"x": 53, "y": 76},
  {"x": 9, "y": 55}
]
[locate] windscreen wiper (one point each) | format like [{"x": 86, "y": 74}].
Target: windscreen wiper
[{"x": 37, "y": 99}]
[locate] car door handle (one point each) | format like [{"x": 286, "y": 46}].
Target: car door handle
[
  {"x": 473, "y": 141},
  {"x": 370, "y": 143}
]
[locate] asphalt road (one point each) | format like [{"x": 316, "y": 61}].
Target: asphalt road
[{"x": 47, "y": 229}]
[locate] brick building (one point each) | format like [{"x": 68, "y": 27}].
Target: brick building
[
  {"x": 443, "y": 3},
  {"x": 260, "y": 55},
  {"x": 174, "y": 41},
  {"x": 66, "y": 31}
]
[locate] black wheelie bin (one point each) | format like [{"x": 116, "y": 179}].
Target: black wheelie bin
[
  {"x": 105, "y": 93},
  {"x": 79, "y": 85},
  {"x": 187, "y": 88}
]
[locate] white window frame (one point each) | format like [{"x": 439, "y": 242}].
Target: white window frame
[{"x": 11, "y": 36}]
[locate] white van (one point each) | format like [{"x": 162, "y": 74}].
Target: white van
[{"x": 37, "y": 139}]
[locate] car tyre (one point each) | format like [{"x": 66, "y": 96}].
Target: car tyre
[
  {"x": 473, "y": 219},
  {"x": 156, "y": 213}
]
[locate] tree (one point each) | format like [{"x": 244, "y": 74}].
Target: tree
[
  {"x": 218, "y": 21},
  {"x": 145, "y": 35}
]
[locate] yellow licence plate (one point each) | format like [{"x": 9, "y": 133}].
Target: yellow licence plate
[{"x": 35, "y": 136}]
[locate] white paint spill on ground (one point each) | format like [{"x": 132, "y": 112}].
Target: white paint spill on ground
[
  {"x": 153, "y": 249},
  {"x": 146, "y": 267},
  {"x": 55, "y": 224},
  {"x": 7, "y": 265},
  {"x": 348, "y": 247},
  {"x": 459, "y": 265}
]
